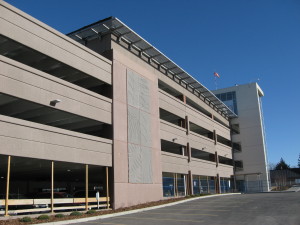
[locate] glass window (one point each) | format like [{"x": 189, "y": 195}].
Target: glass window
[
  {"x": 229, "y": 99},
  {"x": 204, "y": 185},
  {"x": 225, "y": 185},
  {"x": 196, "y": 185},
  {"x": 172, "y": 186},
  {"x": 168, "y": 185},
  {"x": 223, "y": 97},
  {"x": 212, "y": 188},
  {"x": 229, "y": 95},
  {"x": 181, "y": 184}
]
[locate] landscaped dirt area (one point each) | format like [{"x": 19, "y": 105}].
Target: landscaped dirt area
[{"x": 17, "y": 221}]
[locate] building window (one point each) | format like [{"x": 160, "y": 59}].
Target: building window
[
  {"x": 171, "y": 118},
  {"x": 201, "y": 131},
  {"x": 200, "y": 185},
  {"x": 223, "y": 141},
  {"x": 236, "y": 147},
  {"x": 238, "y": 165},
  {"x": 174, "y": 184},
  {"x": 224, "y": 185},
  {"x": 229, "y": 99},
  {"x": 199, "y": 154},
  {"x": 225, "y": 160},
  {"x": 235, "y": 129},
  {"x": 171, "y": 147}
]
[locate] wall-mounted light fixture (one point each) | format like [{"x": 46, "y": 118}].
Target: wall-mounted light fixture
[
  {"x": 174, "y": 139},
  {"x": 54, "y": 102}
]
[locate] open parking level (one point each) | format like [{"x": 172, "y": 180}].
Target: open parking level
[{"x": 254, "y": 209}]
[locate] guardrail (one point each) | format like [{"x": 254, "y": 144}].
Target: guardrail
[{"x": 43, "y": 205}]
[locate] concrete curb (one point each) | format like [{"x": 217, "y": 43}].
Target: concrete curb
[{"x": 132, "y": 211}]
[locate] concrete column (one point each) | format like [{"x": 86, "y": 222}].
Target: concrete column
[
  {"x": 86, "y": 187},
  {"x": 190, "y": 175},
  {"x": 52, "y": 187},
  {"x": 189, "y": 151},
  {"x": 218, "y": 186},
  {"x": 182, "y": 98},
  {"x": 7, "y": 185},
  {"x": 215, "y": 137},
  {"x": 107, "y": 188},
  {"x": 207, "y": 180},
  {"x": 187, "y": 125}
]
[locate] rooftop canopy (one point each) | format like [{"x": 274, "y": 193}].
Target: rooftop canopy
[{"x": 153, "y": 56}]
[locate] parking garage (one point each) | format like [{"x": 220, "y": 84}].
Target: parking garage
[
  {"x": 31, "y": 185},
  {"x": 47, "y": 115}
]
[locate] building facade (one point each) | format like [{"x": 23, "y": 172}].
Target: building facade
[
  {"x": 102, "y": 110},
  {"x": 248, "y": 136}
]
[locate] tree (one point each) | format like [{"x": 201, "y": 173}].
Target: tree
[
  {"x": 282, "y": 165},
  {"x": 272, "y": 166},
  {"x": 299, "y": 161}
]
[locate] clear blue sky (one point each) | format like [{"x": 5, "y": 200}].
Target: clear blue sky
[{"x": 240, "y": 39}]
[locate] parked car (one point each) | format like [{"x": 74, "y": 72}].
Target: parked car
[
  {"x": 81, "y": 194},
  {"x": 47, "y": 195},
  {"x": 14, "y": 196}
]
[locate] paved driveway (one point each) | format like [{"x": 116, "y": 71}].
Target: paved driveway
[{"x": 252, "y": 209}]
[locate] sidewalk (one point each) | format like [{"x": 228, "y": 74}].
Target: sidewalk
[{"x": 295, "y": 188}]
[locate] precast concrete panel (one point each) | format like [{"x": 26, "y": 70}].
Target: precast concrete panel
[
  {"x": 145, "y": 128},
  {"x": 139, "y": 129},
  {"x": 144, "y": 94},
  {"x": 146, "y": 159},
  {"x": 135, "y": 163},
  {"x": 133, "y": 89},
  {"x": 134, "y": 131}
]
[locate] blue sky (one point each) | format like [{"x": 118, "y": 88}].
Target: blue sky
[{"x": 242, "y": 40}]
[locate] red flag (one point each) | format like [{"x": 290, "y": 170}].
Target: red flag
[{"x": 216, "y": 74}]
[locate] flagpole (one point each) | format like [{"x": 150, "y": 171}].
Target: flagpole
[
  {"x": 216, "y": 76},
  {"x": 216, "y": 83}
]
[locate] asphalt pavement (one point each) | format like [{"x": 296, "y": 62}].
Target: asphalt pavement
[{"x": 252, "y": 209}]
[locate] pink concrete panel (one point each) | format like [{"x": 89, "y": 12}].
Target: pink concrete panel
[
  {"x": 133, "y": 194},
  {"x": 121, "y": 162},
  {"x": 155, "y": 133},
  {"x": 134, "y": 63},
  {"x": 120, "y": 195},
  {"x": 119, "y": 82},
  {"x": 156, "y": 166},
  {"x": 128, "y": 194},
  {"x": 154, "y": 99},
  {"x": 120, "y": 121}
]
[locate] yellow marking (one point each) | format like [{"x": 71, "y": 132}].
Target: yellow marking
[
  {"x": 106, "y": 223},
  {"x": 219, "y": 210},
  {"x": 165, "y": 219},
  {"x": 200, "y": 214},
  {"x": 239, "y": 202},
  {"x": 227, "y": 206}
]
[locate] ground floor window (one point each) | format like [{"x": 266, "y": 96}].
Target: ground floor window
[
  {"x": 204, "y": 185},
  {"x": 225, "y": 185},
  {"x": 174, "y": 184},
  {"x": 212, "y": 185},
  {"x": 29, "y": 185}
]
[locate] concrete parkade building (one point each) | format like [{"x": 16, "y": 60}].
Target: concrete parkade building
[{"x": 102, "y": 110}]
